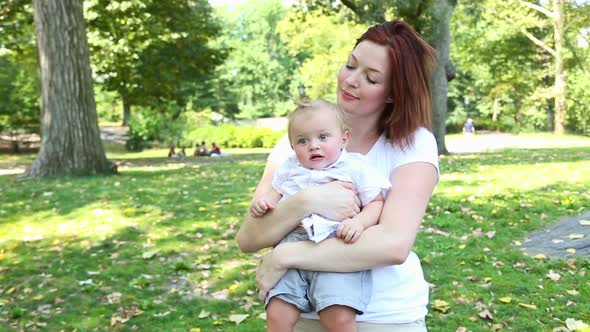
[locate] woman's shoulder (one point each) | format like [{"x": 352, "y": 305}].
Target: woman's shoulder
[
  {"x": 422, "y": 149},
  {"x": 422, "y": 141}
]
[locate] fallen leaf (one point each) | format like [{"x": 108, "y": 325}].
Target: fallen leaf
[
  {"x": 576, "y": 325},
  {"x": 584, "y": 222},
  {"x": 461, "y": 329},
  {"x": 236, "y": 318},
  {"x": 572, "y": 292},
  {"x": 540, "y": 256},
  {"x": 506, "y": 299},
  {"x": 571, "y": 250},
  {"x": 85, "y": 282},
  {"x": 486, "y": 314},
  {"x": 195, "y": 329},
  {"x": 576, "y": 236},
  {"x": 114, "y": 297},
  {"x": 561, "y": 329},
  {"x": 149, "y": 254},
  {"x": 441, "y": 305},
  {"x": 498, "y": 326},
  {"x": 553, "y": 276},
  {"x": 204, "y": 314},
  {"x": 529, "y": 306},
  {"x": 262, "y": 316}
]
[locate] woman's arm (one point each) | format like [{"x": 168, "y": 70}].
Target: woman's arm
[
  {"x": 335, "y": 200},
  {"x": 387, "y": 243}
]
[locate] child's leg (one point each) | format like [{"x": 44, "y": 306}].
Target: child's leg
[
  {"x": 281, "y": 315},
  {"x": 338, "y": 318}
]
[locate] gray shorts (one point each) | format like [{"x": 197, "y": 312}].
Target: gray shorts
[{"x": 314, "y": 291}]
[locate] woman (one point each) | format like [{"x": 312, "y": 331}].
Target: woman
[{"x": 384, "y": 92}]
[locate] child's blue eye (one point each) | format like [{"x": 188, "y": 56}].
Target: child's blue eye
[
  {"x": 323, "y": 137},
  {"x": 302, "y": 141}
]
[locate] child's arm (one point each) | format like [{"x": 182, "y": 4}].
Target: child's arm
[
  {"x": 264, "y": 203},
  {"x": 351, "y": 229}
]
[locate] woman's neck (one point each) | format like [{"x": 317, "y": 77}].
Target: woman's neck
[{"x": 362, "y": 137}]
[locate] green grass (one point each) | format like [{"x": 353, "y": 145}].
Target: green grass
[{"x": 152, "y": 249}]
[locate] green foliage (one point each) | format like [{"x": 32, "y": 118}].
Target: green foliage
[
  {"x": 189, "y": 128},
  {"x": 19, "y": 105},
  {"x": 311, "y": 39},
  {"x": 230, "y": 135},
  {"x": 152, "y": 52},
  {"x": 257, "y": 77},
  {"x": 19, "y": 101},
  {"x": 108, "y": 105},
  {"x": 578, "y": 114},
  {"x": 495, "y": 73}
]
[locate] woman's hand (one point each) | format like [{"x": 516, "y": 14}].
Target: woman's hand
[
  {"x": 269, "y": 272},
  {"x": 336, "y": 200}
]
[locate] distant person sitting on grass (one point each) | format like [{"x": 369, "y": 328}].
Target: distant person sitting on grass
[
  {"x": 172, "y": 151},
  {"x": 469, "y": 127},
  {"x": 201, "y": 149},
  {"x": 181, "y": 154},
  {"x": 215, "y": 151}
]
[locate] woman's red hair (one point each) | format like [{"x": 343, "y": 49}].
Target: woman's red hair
[{"x": 411, "y": 61}]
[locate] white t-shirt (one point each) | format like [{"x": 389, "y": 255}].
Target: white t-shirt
[
  {"x": 400, "y": 293},
  {"x": 292, "y": 177}
]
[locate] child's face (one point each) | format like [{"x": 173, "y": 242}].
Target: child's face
[{"x": 317, "y": 138}]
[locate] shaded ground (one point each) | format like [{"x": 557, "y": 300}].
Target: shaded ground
[{"x": 566, "y": 234}]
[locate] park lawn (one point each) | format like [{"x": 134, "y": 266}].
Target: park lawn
[{"x": 153, "y": 247}]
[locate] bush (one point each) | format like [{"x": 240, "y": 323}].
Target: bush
[
  {"x": 578, "y": 110},
  {"x": 232, "y": 136},
  {"x": 503, "y": 125}
]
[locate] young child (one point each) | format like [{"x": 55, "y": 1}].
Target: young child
[{"x": 319, "y": 136}]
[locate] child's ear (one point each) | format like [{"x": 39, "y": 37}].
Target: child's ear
[{"x": 345, "y": 138}]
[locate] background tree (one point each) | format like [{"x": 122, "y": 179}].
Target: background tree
[
  {"x": 499, "y": 82},
  {"x": 257, "y": 77},
  {"x": 505, "y": 80},
  {"x": 153, "y": 52},
  {"x": 19, "y": 95},
  {"x": 319, "y": 51},
  {"x": 70, "y": 139}
]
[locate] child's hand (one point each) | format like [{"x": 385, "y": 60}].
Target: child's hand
[
  {"x": 350, "y": 230},
  {"x": 259, "y": 207}
]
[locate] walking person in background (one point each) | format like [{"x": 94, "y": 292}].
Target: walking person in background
[{"x": 469, "y": 127}]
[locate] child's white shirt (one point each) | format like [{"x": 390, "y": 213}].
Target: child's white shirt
[{"x": 292, "y": 177}]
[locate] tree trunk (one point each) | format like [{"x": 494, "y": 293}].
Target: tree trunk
[
  {"x": 70, "y": 138},
  {"x": 496, "y": 109},
  {"x": 560, "y": 80},
  {"x": 441, "y": 40},
  {"x": 126, "y": 109}
]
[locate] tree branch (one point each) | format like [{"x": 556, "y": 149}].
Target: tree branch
[
  {"x": 352, "y": 7},
  {"x": 538, "y": 42},
  {"x": 539, "y": 9}
]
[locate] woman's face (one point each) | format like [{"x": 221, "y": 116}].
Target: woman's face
[{"x": 364, "y": 81}]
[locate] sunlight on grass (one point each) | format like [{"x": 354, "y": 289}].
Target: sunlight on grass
[{"x": 90, "y": 222}]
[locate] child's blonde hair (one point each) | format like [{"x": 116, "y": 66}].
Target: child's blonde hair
[{"x": 316, "y": 105}]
